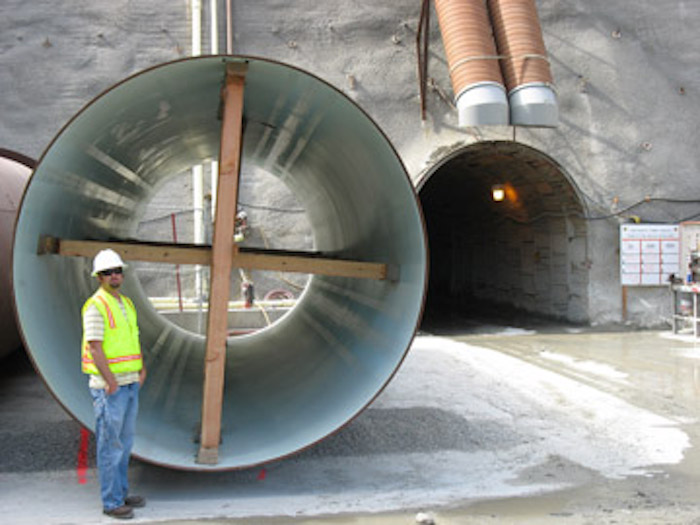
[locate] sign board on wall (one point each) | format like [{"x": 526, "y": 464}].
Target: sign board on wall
[{"x": 649, "y": 253}]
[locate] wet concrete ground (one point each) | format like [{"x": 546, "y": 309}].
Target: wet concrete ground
[{"x": 488, "y": 425}]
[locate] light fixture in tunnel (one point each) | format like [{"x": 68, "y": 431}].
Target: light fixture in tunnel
[
  {"x": 285, "y": 387},
  {"x": 498, "y": 192}
]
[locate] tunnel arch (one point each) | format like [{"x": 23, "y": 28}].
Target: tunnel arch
[{"x": 524, "y": 254}]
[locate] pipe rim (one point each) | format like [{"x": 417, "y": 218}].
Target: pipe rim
[
  {"x": 531, "y": 85},
  {"x": 365, "y": 115}
]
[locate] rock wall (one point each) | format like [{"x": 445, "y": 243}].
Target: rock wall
[{"x": 625, "y": 74}]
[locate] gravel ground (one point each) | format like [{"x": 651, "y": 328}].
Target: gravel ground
[{"x": 510, "y": 428}]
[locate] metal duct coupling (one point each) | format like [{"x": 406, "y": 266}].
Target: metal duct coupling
[
  {"x": 291, "y": 384},
  {"x": 473, "y": 62},
  {"x": 524, "y": 63},
  {"x": 15, "y": 170}
]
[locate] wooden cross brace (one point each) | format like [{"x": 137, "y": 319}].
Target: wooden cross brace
[{"x": 223, "y": 250}]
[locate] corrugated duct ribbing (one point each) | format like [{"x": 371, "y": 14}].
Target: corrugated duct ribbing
[
  {"x": 469, "y": 45},
  {"x": 519, "y": 41},
  {"x": 524, "y": 62},
  {"x": 473, "y": 62}
]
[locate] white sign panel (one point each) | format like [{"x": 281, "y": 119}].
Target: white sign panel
[{"x": 649, "y": 253}]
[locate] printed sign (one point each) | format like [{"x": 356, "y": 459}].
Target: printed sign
[{"x": 649, "y": 253}]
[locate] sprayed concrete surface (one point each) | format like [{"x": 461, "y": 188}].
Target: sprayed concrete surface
[
  {"x": 511, "y": 426},
  {"x": 625, "y": 74}
]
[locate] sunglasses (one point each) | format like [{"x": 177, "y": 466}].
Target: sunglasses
[{"x": 105, "y": 273}]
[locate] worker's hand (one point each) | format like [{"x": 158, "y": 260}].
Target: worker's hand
[
  {"x": 111, "y": 387},
  {"x": 142, "y": 376}
]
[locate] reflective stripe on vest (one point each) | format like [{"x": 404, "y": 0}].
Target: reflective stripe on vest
[
  {"x": 112, "y": 324},
  {"x": 87, "y": 359}
]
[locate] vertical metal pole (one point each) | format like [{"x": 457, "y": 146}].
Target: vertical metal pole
[
  {"x": 196, "y": 27},
  {"x": 214, "y": 26},
  {"x": 198, "y": 220},
  {"x": 197, "y": 173},
  {"x": 177, "y": 266},
  {"x": 229, "y": 28},
  {"x": 223, "y": 246},
  {"x": 695, "y": 314},
  {"x": 214, "y": 8}
]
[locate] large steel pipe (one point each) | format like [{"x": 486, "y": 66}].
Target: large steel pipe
[
  {"x": 15, "y": 170},
  {"x": 289, "y": 385}
]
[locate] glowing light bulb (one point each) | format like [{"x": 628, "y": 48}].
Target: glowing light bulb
[{"x": 498, "y": 192}]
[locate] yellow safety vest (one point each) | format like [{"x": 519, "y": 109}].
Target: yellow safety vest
[{"x": 121, "y": 338}]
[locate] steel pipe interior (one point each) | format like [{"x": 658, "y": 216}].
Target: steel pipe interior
[
  {"x": 287, "y": 386},
  {"x": 15, "y": 170}
]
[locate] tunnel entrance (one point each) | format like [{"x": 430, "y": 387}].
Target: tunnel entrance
[{"x": 518, "y": 260}]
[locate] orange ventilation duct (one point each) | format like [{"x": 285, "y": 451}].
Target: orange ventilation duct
[
  {"x": 524, "y": 62},
  {"x": 473, "y": 59},
  {"x": 471, "y": 56}
]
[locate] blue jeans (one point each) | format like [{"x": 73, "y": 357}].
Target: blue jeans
[{"x": 115, "y": 418}]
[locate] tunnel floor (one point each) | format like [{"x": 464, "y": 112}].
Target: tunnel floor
[
  {"x": 518, "y": 426},
  {"x": 481, "y": 317}
]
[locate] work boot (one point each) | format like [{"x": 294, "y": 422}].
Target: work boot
[
  {"x": 135, "y": 502},
  {"x": 121, "y": 513}
]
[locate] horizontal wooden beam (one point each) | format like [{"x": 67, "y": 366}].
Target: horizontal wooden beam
[
  {"x": 285, "y": 262},
  {"x": 244, "y": 257},
  {"x": 132, "y": 250}
]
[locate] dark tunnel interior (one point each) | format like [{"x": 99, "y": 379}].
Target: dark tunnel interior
[{"x": 519, "y": 260}]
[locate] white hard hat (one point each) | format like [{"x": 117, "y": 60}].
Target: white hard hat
[{"x": 105, "y": 260}]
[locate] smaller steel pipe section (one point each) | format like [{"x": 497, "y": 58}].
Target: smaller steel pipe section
[
  {"x": 15, "y": 170},
  {"x": 473, "y": 61},
  {"x": 524, "y": 63}
]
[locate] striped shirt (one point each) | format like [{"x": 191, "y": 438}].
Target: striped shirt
[{"x": 94, "y": 329}]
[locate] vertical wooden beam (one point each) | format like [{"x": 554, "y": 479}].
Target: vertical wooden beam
[{"x": 223, "y": 249}]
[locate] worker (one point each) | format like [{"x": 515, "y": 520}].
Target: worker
[
  {"x": 240, "y": 226},
  {"x": 111, "y": 356}
]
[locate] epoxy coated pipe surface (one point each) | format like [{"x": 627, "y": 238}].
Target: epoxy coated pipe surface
[{"x": 292, "y": 384}]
